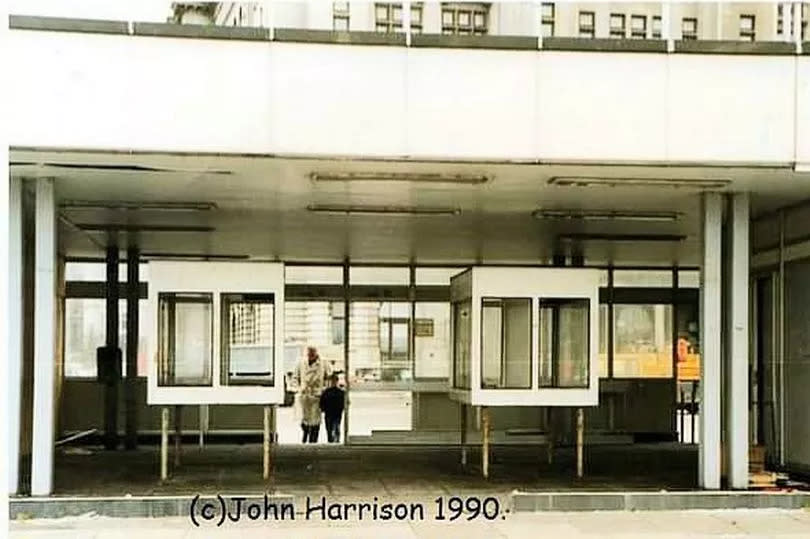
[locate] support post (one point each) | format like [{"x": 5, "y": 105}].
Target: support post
[
  {"x": 710, "y": 326},
  {"x": 580, "y": 441},
  {"x": 44, "y": 339},
  {"x": 463, "y": 435},
  {"x": 347, "y": 297},
  {"x": 551, "y": 434},
  {"x": 203, "y": 424},
  {"x": 14, "y": 337},
  {"x": 111, "y": 384},
  {"x": 133, "y": 297},
  {"x": 485, "y": 441},
  {"x": 266, "y": 445},
  {"x": 164, "y": 443},
  {"x": 737, "y": 333},
  {"x": 178, "y": 433}
]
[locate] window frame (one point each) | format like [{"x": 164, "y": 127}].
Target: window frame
[
  {"x": 471, "y": 9},
  {"x": 555, "y": 304},
  {"x": 640, "y": 33},
  {"x": 691, "y": 35},
  {"x": 745, "y": 33},
  {"x": 501, "y": 300},
  {"x": 226, "y": 299},
  {"x": 586, "y": 31},
  {"x": 340, "y": 12},
  {"x": 389, "y": 24},
  {"x": 618, "y": 32},
  {"x": 163, "y": 362},
  {"x": 547, "y": 20}
]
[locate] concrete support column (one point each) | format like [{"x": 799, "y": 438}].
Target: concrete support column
[
  {"x": 14, "y": 337},
  {"x": 736, "y": 331},
  {"x": 710, "y": 326},
  {"x": 133, "y": 297},
  {"x": 111, "y": 313},
  {"x": 44, "y": 339}
]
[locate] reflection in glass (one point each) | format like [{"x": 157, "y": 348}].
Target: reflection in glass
[
  {"x": 506, "y": 343},
  {"x": 564, "y": 343},
  {"x": 248, "y": 337},
  {"x": 184, "y": 339},
  {"x": 642, "y": 341}
]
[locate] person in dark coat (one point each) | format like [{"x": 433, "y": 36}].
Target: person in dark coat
[{"x": 332, "y": 403}]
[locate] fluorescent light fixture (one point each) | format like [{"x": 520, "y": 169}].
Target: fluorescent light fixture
[
  {"x": 462, "y": 179},
  {"x": 584, "y": 181},
  {"x": 383, "y": 210},
  {"x": 623, "y": 237},
  {"x": 137, "y": 205},
  {"x": 607, "y": 215},
  {"x": 191, "y": 256},
  {"x": 105, "y": 227}
]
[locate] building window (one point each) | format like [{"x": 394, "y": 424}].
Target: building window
[
  {"x": 617, "y": 29},
  {"x": 547, "y": 19},
  {"x": 340, "y": 16},
  {"x": 338, "y": 317},
  {"x": 689, "y": 29},
  {"x": 656, "y": 27},
  {"x": 638, "y": 27},
  {"x": 747, "y": 27},
  {"x": 388, "y": 18},
  {"x": 780, "y": 19},
  {"x": 587, "y": 26},
  {"x": 465, "y": 19}
]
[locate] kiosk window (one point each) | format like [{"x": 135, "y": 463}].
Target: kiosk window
[
  {"x": 564, "y": 343},
  {"x": 184, "y": 339},
  {"x": 506, "y": 342},
  {"x": 248, "y": 339}
]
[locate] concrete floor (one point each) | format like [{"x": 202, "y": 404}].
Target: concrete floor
[
  {"x": 411, "y": 472},
  {"x": 761, "y": 523}
]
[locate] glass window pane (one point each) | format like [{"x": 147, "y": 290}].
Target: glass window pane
[
  {"x": 398, "y": 14},
  {"x": 381, "y": 13},
  {"x": 491, "y": 341},
  {"x": 480, "y": 20},
  {"x": 447, "y": 18},
  {"x": 564, "y": 343},
  {"x": 97, "y": 271},
  {"x": 642, "y": 338},
  {"x": 642, "y": 278},
  {"x": 184, "y": 339},
  {"x": 603, "y": 338},
  {"x": 548, "y": 29},
  {"x": 248, "y": 339},
  {"x": 462, "y": 332},
  {"x": 432, "y": 340},
  {"x": 416, "y": 15},
  {"x": 688, "y": 279},
  {"x": 547, "y": 10},
  {"x": 506, "y": 343},
  {"x": 464, "y": 18},
  {"x": 85, "y": 330},
  {"x": 313, "y": 275},
  {"x": 363, "y": 275},
  {"x": 341, "y": 24}
]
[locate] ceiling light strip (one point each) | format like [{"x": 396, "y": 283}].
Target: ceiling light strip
[
  {"x": 382, "y": 210},
  {"x": 137, "y": 205},
  {"x": 584, "y": 181},
  {"x": 459, "y": 179},
  {"x": 605, "y": 215}
]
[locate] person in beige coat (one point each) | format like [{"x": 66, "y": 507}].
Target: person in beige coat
[{"x": 311, "y": 376}]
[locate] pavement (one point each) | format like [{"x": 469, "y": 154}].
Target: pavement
[{"x": 762, "y": 523}]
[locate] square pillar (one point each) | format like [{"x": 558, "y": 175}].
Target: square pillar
[
  {"x": 133, "y": 297},
  {"x": 736, "y": 331},
  {"x": 14, "y": 338},
  {"x": 710, "y": 342},
  {"x": 44, "y": 339}
]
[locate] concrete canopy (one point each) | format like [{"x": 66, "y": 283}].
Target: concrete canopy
[{"x": 262, "y": 207}]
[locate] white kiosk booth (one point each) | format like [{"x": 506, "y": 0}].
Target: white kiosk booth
[
  {"x": 524, "y": 337},
  {"x": 219, "y": 329}
]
